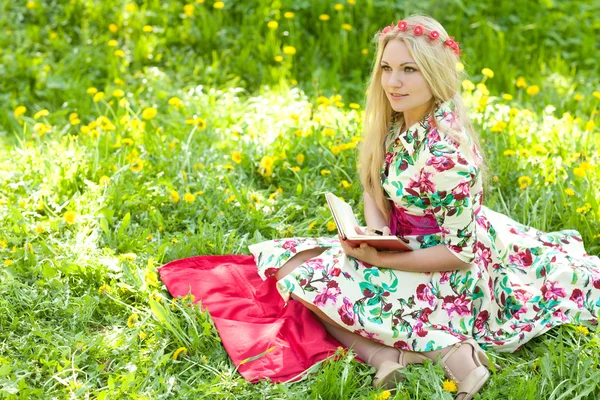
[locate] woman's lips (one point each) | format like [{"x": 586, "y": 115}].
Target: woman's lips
[{"x": 398, "y": 97}]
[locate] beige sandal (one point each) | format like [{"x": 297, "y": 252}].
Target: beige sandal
[
  {"x": 390, "y": 373},
  {"x": 476, "y": 378}
]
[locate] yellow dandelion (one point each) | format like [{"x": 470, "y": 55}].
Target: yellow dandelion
[
  {"x": 325, "y": 172},
  {"x": 331, "y": 226},
  {"x": 174, "y": 196},
  {"x": 113, "y": 28},
  {"x": 487, "y": 72},
  {"x": 119, "y": 53},
  {"x": 583, "y": 330},
  {"x": 365, "y": 51},
  {"x": 311, "y": 225},
  {"x": 142, "y": 336},
  {"x": 468, "y": 85},
  {"x": 324, "y": 17},
  {"x": 288, "y": 15},
  {"x": 300, "y": 158},
  {"x": 30, "y": 5},
  {"x": 483, "y": 89},
  {"x": 230, "y": 199},
  {"x": 41, "y": 113},
  {"x": 188, "y": 10},
  {"x": 149, "y": 113},
  {"x": 132, "y": 320},
  {"x": 289, "y": 50},
  {"x": 345, "y": 184},
  {"x": 92, "y": 90},
  {"x": 175, "y": 101},
  {"x": 498, "y": 126},
  {"x": 354, "y": 106},
  {"x": 579, "y": 172},
  {"x": 236, "y": 156},
  {"x": 521, "y": 82},
  {"x": 352, "y": 2},
  {"x": 20, "y": 110},
  {"x": 578, "y": 97},
  {"x": 8, "y": 262},
  {"x": 569, "y": 192},
  {"x": 118, "y": 93},
  {"x": 103, "y": 289},
  {"x": 130, "y": 7},
  {"x": 507, "y": 97},
  {"x": 590, "y": 125},
  {"x": 509, "y": 153},
  {"x": 218, "y": 5},
  {"x": 524, "y": 181},
  {"x": 178, "y": 352},
  {"x": 137, "y": 165},
  {"x": 328, "y": 132},
  {"x": 533, "y": 90},
  {"x": 596, "y": 94},
  {"x": 335, "y": 150},
  {"x": 147, "y": 28},
  {"x": 347, "y": 27},
  {"x": 113, "y": 43},
  {"x": 98, "y": 96},
  {"x": 70, "y": 217},
  {"x": 278, "y": 58},
  {"x": 449, "y": 386},
  {"x": 267, "y": 162},
  {"x": 189, "y": 198},
  {"x": 104, "y": 180},
  {"x": 381, "y": 396},
  {"x": 272, "y": 25},
  {"x": 295, "y": 169},
  {"x": 586, "y": 166},
  {"x": 338, "y": 7}
]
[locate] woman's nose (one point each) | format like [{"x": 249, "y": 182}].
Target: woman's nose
[{"x": 395, "y": 79}]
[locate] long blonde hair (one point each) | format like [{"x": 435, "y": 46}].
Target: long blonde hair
[{"x": 437, "y": 63}]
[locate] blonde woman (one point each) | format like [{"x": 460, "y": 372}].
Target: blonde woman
[{"x": 474, "y": 276}]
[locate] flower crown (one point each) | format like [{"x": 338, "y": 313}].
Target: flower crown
[{"x": 419, "y": 30}]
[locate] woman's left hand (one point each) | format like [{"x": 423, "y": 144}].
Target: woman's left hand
[{"x": 364, "y": 252}]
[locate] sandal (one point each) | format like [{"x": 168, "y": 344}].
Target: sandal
[
  {"x": 390, "y": 373},
  {"x": 476, "y": 378}
]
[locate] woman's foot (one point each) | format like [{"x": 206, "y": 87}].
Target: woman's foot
[
  {"x": 465, "y": 363},
  {"x": 389, "y": 363}
]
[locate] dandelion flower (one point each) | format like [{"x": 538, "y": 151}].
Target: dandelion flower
[
  {"x": 331, "y": 226},
  {"x": 449, "y": 386},
  {"x": 188, "y": 9},
  {"x": 468, "y": 85},
  {"x": 70, "y": 217},
  {"x": 267, "y": 162},
  {"x": 104, "y": 180},
  {"x": 569, "y": 192},
  {"x": 521, "y": 82},
  {"x": 346, "y": 184},
  {"x": 178, "y": 352},
  {"x": 578, "y": 97},
  {"x": 524, "y": 181},
  {"x": 132, "y": 320},
  {"x": 30, "y": 5},
  {"x": 20, "y": 110},
  {"x": 174, "y": 196},
  {"x": 324, "y": 17},
  {"x": 289, "y": 50},
  {"x": 347, "y": 27},
  {"x": 149, "y": 113},
  {"x": 590, "y": 125},
  {"x": 147, "y": 28},
  {"x": 354, "y": 106},
  {"x": 311, "y": 225},
  {"x": 7, "y": 262},
  {"x": 487, "y": 72},
  {"x": 118, "y": 93},
  {"x": 142, "y": 336},
  {"x": 98, "y": 96},
  {"x": 365, "y": 51},
  {"x": 459, "y": 66},
  {"x": 92, "y": 90},
  {"x": 103, "y": 289},
  {"x": 41, "y": 113},
  {"x": 137, "y": 165},
  {"x": 507, "y": 97},
  {"x": 218, "y": 5},
  {"x": 583, "y": 330},
  {"x": 113, "y": 43},
  {"x": 579, "y": 172},
  {"x": 236, "y": 156},
  {"x": 189, "y": 198},
  {"x": 272, "y": 25},
  {"x": 278, "y": 58},
  {"x": 119, "y": 53},
  {"x": 325, "y": 172},
  {"x": 113, "y": 28},
  {"x": 596, "y": 94},
  {"x": 338, "y": 7},
  {"x": 288, "y": 15},
  {"x": 533, "y": 90}
]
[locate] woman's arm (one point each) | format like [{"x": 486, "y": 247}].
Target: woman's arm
[
  {"x": 373, "y": 217},
  {"x": 431, "y": 259}
]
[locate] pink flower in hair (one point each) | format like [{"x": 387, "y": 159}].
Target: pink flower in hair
[
  {"x": 418, "y": 30},
  {"x": 402, "y": 25},
  {"x": 450, "y": 43},
  {"x": 434, "y": 34},
  {"x": 386, "y": 29}
]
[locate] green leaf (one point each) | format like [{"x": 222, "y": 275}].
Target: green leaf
[{"x": 124, "y": 224}]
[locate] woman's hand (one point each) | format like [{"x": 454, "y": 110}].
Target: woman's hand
[
  {"x": 363, "y": 252},
  {"x": 385, "y": 231}
]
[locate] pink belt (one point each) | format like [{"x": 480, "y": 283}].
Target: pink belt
[{"x": 403, "y": 224}]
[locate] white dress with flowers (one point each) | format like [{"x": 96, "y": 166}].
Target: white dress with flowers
[{"x": 520, "y": 283}]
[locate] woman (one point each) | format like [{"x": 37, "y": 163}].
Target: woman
[{"x": 474, "y": 276}]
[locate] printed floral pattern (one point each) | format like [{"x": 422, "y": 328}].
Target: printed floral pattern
[{"x": 520, "y": 283}]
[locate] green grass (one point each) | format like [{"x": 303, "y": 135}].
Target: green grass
[{"x": 86, "y": 215}]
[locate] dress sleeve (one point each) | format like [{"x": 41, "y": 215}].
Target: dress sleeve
[{"x": 450, "y": 193}]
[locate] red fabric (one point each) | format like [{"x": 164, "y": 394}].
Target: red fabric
[{"x": 250, "y": 316}]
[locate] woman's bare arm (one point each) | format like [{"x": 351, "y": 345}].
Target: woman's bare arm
[{"x": 373, "y": 217}]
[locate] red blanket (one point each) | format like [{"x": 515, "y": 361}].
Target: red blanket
[{"x": 250, "y": 316}]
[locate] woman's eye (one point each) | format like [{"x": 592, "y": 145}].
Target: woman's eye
[
  {"x": 383, "y": 67},
  {"x": 409, "y": 68}
]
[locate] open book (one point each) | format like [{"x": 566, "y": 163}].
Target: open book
[{"x": 345, "y": 220}]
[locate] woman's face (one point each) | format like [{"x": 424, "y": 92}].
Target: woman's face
[{"x": 404, "y": 85}]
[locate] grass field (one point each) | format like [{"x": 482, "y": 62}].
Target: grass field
[{"x": 136, "y": 133}]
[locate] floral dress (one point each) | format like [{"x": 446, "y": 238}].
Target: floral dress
[{"x": 520, "y": 283}]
